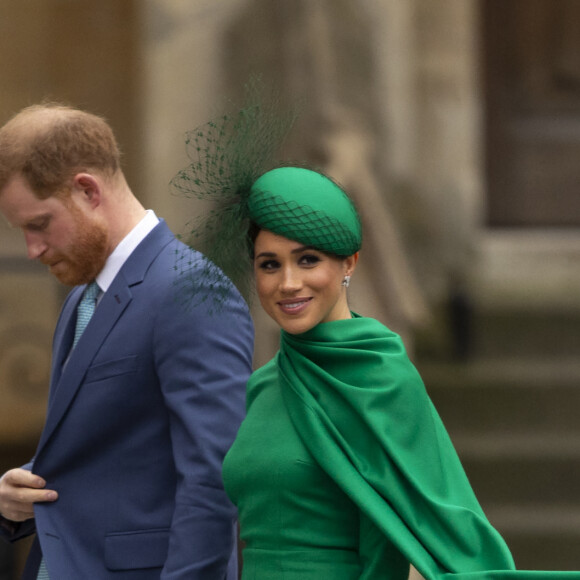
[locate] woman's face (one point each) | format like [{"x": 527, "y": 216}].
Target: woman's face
[{"x": 298, "y": 286}]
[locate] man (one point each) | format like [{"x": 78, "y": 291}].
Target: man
[{"x": 126, "y": 479}]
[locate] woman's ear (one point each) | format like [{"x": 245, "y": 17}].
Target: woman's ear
[
  {"x": 350, "y": 264},
  {"x": 88, "y": 188}
]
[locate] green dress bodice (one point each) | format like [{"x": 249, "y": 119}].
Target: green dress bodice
[{"x": 289, "y": 508}]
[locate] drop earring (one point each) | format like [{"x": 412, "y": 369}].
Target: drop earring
[{"x": 346, "y": 281}]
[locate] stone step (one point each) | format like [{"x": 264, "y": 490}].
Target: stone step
[
  {"x": 544, "y": 538},
  {"x": 506, "y": 395},
  {"x": 499, "y": 333},
  {"x": 514, "y": 422},
  {"x": 524, "y": 470},
  {"x": 514, "y": 333}
]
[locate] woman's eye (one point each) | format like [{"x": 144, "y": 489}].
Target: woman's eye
[
  {"x": 268, "y": 265},
  {"x": 309, "y": 260}
]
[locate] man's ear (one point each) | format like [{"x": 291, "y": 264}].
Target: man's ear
[{"x": 87, "y": 188}]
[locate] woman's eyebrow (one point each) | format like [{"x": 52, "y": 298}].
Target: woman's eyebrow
[
  {"x": 294, "y": 251},
  {"x": 266, "y": 255},
  {"x": 302, "y": 249}
]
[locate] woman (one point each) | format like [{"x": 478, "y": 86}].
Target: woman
[{"x": 342, "y": 469}]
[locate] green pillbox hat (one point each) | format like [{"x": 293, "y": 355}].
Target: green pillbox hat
[{"x": 308, "y": 207}]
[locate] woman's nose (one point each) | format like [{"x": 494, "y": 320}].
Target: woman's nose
[{"x": 291, "y": 280}]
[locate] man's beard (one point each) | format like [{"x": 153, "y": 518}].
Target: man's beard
[{"x": 86, "y": 258}]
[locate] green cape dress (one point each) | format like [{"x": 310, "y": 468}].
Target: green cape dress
[{"x": 344, "y": 399}]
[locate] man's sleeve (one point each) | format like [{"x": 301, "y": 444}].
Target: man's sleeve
[{"x": 204, "y": 359}]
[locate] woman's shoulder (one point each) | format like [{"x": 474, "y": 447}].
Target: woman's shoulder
[
  {"x": 265, "y": 372},
  {"x": 261, "y": 378}
]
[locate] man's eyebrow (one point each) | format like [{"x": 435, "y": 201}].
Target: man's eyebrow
[{"x": 36, "y": 221}]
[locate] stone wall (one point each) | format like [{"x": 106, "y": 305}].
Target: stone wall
[
  {"x": 401, "y": 129},
  {"x": 85, "y": 54}
]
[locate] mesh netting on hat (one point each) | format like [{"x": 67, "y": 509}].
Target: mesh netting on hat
[
  {"x": 304, "y": 224},
  {"x": 227, "y": 155}
]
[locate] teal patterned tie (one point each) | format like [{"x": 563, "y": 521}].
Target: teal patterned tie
[
  {"x": 86, "y": 309},
  {"x": 42, "y": 572}
]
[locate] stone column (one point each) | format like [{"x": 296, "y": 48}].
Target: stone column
[{"x": 448, "y": 173}]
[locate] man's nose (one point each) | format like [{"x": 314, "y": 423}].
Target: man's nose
[{"x": 34, "y": 246}]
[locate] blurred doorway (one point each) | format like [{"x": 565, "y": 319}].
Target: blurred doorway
[{"x": 531, "y": 54}]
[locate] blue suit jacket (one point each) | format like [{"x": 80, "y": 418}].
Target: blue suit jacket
[{"x": 138, "y": 422}]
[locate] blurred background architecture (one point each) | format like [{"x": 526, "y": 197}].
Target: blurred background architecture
[{"x": 456, "y": 126}]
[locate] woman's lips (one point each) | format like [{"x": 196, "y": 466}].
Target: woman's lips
[{"x": 294, "y": 305}]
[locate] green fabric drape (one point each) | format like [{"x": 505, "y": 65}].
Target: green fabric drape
[{"x": 361, "y": 409}]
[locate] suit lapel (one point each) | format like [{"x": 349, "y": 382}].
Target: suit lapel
[{"x": 67, "y": 379}]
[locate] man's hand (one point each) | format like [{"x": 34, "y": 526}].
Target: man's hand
[{"x": 19, "y": 490}]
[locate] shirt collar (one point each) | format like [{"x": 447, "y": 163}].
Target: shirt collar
[{"x": 124, "y": 249}]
